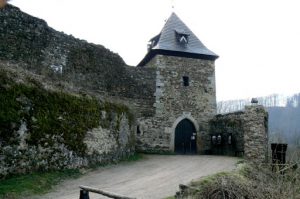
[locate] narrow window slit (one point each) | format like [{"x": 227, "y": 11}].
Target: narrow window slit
[
  {"x": 138, "y": 131},
  {"x": 186, "y": 81}
]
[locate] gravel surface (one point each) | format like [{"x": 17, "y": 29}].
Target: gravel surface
[{"x": 155, "y": 176}]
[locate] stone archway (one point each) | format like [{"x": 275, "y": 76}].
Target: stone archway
[
  {"x": 182, "y": 122},
  {"x": 185, "y": 138}
]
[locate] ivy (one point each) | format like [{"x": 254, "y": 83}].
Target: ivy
[{"x": 51, "y": 114}]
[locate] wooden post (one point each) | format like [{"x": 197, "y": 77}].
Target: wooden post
[{"x": 84, "y": 194}]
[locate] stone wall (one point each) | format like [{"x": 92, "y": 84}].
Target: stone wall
[
  {"x": 31, "y": 43},
  {"x": 103, "y": 147},
  {"x": 249, "y": 131},
  {"x": 154, "y": 93},
  {"x": 44, "y": 129},
  {"x": 175, "y": 102},
  {"x": 256, "y": 133},
  {"x": 231, "y": 129},
  {"x": 57, "y": 61}
]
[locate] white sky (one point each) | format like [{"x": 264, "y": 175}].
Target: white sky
[{"x": 258, "y": 41}]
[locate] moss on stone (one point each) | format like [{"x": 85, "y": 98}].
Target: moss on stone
[
  {"x": 52, "y": 116},
  {"x": 47, "y": 114},
  {"x": 119, "y": 109}
]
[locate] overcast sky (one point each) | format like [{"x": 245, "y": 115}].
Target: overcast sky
[{"x": 258, "y": 41}]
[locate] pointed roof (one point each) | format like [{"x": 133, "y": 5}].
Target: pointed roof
[{"x": 168, "y": 42}]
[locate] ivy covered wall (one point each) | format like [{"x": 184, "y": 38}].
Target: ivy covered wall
[{"x": 42, "y": 129}]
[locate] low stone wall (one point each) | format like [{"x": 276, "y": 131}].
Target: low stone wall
[
  {"x": 226, "y": 126},
  {"x": 248, "y": 130},
  {"x": 103, "y": 146}
]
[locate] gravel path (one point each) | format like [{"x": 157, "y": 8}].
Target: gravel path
[{"x": 156, "y": 176}]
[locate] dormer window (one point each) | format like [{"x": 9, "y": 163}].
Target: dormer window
[
  {"x": 182, "y": 37},
  {"x": 153, "y": 42}
]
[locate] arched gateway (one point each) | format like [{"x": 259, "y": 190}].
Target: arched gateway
[{"x": 185, "y": 137}]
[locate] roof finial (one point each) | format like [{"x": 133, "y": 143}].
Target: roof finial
[{"x": 173, "y": 4}]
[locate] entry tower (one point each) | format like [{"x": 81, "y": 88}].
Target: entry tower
[{"x": 185, "y": 96}]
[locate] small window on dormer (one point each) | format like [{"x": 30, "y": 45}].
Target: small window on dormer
[
  {"x": 182, "y": 37},
  {"x": 153, "y": 42},
  {"x": 185, "y": 81}
]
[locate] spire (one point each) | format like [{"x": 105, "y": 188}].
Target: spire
[
  {"x": 178, "y": 40},
  {"x": 173, "y": 4}
]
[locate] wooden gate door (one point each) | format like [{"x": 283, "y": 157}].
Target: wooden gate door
[{"x": 185, "y": 138}]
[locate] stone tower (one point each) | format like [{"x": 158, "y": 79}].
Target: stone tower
[{"x": 185, "y": 96}]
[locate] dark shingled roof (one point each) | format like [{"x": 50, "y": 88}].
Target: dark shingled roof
[{"x": 166, "y": 43}]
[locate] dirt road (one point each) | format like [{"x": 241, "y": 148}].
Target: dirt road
[{"x": 156, "y": 176}]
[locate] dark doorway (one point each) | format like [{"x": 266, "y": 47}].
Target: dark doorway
[{"x": 185, "y": 138}]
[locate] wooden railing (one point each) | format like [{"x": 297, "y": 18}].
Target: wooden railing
[
  {"x": 84, "y": 193},
  {"x": 280, "y": 168}
]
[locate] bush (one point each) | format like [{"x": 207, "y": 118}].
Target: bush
[{"x": 251, "y": 181}]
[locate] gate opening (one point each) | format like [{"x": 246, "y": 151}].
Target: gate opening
[{"x": 185, "y": 138}]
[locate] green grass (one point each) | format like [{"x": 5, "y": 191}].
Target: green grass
[
  {"x": 160, "y": 153},
  {"x": 170, "y": 197},
  {"x": 34, "y": 184},
  {"x": 133, "y": 158},
  {"x": 209, "y": 179}
]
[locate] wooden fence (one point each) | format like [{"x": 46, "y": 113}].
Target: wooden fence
[{"x": 84, "y": 193}]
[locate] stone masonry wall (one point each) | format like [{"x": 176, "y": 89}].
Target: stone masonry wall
[
  {"x": 62, "y": 62},
  {"x": 43, "y": 127},
  {"x": 231, "y": 124},
  {"x": 249, "y": 130},
  {"x": 256, "y": 133},
  {"x": 175, "y": 102},
  {"x": 103, "y": 147},
  {"x": 29, "y": 42}
]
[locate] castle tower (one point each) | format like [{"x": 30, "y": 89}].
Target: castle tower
[{"x": 185, "y": 97}]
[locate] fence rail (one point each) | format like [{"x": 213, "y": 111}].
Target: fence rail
[
  {"x": 283, "y": 167},
  {"x": 84, "y": 193}
]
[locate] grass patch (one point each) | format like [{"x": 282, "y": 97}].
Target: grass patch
[
  {"x": 209, "y": 179},
  {"x": 170, "y": 197},
  {"x": 34, "y": 184},
  {"x": 153, "y": 152},
  {"x": 134, "y": 157}
]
